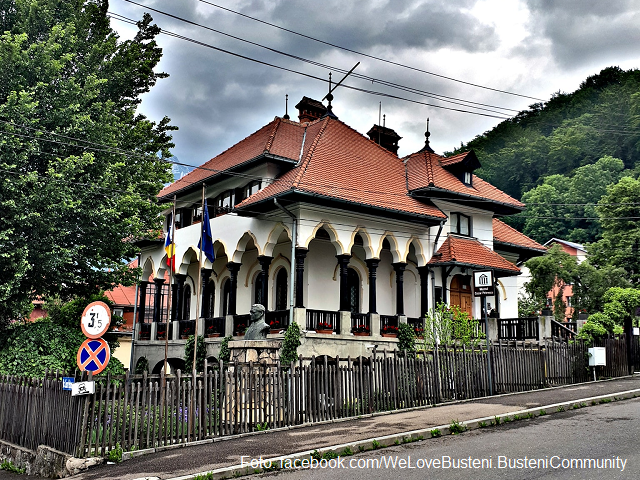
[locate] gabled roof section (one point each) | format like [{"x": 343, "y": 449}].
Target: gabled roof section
[
  {"x": 341, "y": 165},
  {"x": 577, "y": 246},
  {"x": 503, "y": 234},
  {"x": 467, "y": 160},
  {"x": 469, "y": 252},
  {"x": 279, "y": 138},
  {"x": 429, "y": 175}
]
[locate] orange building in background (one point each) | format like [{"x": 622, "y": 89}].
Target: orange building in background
[{"x": 575, "y": 250}]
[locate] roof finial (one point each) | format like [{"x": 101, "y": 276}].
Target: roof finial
[
  {"x": 384, "y": 120},
  {"x": 329, "y": 97},
  {"x": 286, "y": 107},
  {"x": 427, "y": 134}
]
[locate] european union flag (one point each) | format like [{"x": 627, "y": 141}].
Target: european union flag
[{"x": 207, "y": 238}]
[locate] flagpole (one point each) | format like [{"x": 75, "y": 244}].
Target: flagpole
[
  {"x": 195, "y": 337},
  {"x": 171, "y": 267}
]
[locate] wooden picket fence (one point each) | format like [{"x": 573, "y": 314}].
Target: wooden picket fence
[{"x": 147, "y": 411}]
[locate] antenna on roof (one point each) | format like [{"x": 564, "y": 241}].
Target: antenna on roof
[
  {"x": 329, "y": 96},
  {"x": 379, "y": 113},
  {"x": 384, "y": 120},
  {"x": 286, "y": 107}
]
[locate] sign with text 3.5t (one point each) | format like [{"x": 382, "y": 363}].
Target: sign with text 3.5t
[
  {"x": 483, "y": 283},
  {"x": 96, "y": 319}
]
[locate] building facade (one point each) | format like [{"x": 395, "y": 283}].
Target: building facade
[{"x": 330, "y": 229}]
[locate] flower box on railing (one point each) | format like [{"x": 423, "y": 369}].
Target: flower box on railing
[
  {"x": 324, "y": 327},
  {"x": 361, "y": 330},
  {"x": 389, "y": 331}
]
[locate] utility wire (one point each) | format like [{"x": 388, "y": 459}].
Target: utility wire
[
  {"x": 367, "y": 55},
  {"x": 435, "y": 96}
]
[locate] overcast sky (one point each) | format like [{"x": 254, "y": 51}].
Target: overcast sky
[{"x": 529, "y": 47}]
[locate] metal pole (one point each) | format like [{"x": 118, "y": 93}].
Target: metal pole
[
  {"x": 135, "y": 317},
  {"x": 172, "y": 253},
  {"x": 486, "y": 331}
]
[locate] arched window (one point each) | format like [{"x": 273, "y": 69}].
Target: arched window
[
  {"x": 208, "y": 299},
  {"x": 226, "y": 289},
  {"x": 257, "y": 294},
  {"x": 353, "y": 284},
  {"x": 281, "y": 289},
  {"x": 186, "y": 303}
]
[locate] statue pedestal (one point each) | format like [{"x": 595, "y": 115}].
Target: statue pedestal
[{"x": 257, "y": 351}]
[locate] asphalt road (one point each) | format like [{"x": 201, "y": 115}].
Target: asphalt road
[{"x": 609, "y": 431}]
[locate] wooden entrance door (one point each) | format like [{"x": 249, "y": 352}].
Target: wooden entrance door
[{"x": 461, "y": 292}]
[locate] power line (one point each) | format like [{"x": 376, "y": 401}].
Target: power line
[
  {"x": 290, "y": 70},
  {"x": 367, "y": 55},
  {"x": 435, "y": 96}
]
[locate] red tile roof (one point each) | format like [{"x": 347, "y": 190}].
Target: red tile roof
[
  {"x": 426, "y": 170},
  {"x": 470, "y": 253},
  {"x": 279, "y": 137},
  {"x": 503, "y": 233},
  {"x": 342, "y": 164}
]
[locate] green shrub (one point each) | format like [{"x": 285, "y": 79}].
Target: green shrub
[
  {"x": 201, "y": 354},
  {"x": 290, "y": 344}
]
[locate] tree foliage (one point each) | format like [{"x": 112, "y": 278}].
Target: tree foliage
[
  {"x": 447, "y": 324},
  {"x": 80, "y": 168},
  {"x": 201, "y": 354}
]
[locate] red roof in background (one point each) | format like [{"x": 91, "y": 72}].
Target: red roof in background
[
  {"x": 426, "y": 170},
  {"x": 123, "y": 296},
  {"x": 503, "y": 233},
  {"x": 342, "y": 164},
  {"x": 470, "y": 252}
]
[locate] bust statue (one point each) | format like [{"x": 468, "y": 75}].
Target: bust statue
[{"x": 258, "y": 329}]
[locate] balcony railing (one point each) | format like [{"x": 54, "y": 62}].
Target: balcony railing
[
  {"x": 323, "y": 320},
  {"x": 388, "y": 324},
  {"x": 418, "y": 325},
  {"x": 241, "y": 323},
  {"x": 566, "y": 330},
  {"x": 277, "y": 319},
  {"x": 187, "y": 328},
  {"x": 162, "y": 331},
  {"x": 360, "y": 324},
  {"x": 214, "y": 326},
  {"x": 518, "y": 328},
  {"x": 145, "y": 331}
]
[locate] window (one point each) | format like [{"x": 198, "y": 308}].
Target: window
[
  {"x": 460, "y": 224},
  {"x": 569, "y": 302},
  {"x": 251, "y": 188},
  {"x": 549, "y": 301},
  {"x": 353, "y": 284},
  {"x": 226, "y": 290},
  {"x": 257, "y": 295},
  {"x": 281, "y": 289},
  {"x": 466, "y": 178},
  {"x": 186, "y": 303},
  {"x": 438, "y": 295},
  {"x": 118, "y": 312},
  {"x": 224, "y": 202}
]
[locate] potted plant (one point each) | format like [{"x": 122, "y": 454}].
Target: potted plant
[
  {"x": 185, "y": 333},
  {"x": 361, "y": 330},
  {"x": 211, "y": 332},
  {"x": 389, "y": 331},
  {"x": 162, "y": 332},
  {"x": 324, "y": 327},
  {"x": 419, "y": 331},
  {"x": 144, "y": 336},
  {"x": 275, "y": 326},
  {"x": 240, "y": 329}
]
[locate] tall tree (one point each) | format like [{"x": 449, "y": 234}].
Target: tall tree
[{"x": 79, "y": 167}]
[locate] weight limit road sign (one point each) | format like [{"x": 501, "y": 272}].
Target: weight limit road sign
[
  {"x": 93, "y": 355},
  {"x": 95, "y": 320}
]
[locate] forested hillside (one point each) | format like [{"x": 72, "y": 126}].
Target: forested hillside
[{"x": 563, "y": 154}]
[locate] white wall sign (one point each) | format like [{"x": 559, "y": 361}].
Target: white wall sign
[
  {"x": 83, "y": 388},
  {"x": 483, "y": 283}
]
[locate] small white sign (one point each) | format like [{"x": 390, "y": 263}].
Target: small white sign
[
  {"x": 83, "y": 388},
  {"x": 597, "y": 356},
  {"x": 636, "y": 331}
]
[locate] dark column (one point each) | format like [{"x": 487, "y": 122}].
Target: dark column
[
  {"x": 399, "y": 268},
  {"x": 179, "y": 298},
  {"x": 233, "y": 285},
  {"x": 343, "y": 262},
  {"x": 424, "y": 289},
  {"x": 174, "y": 302},
  {"x": 142, "y": 300},
  {"x": 372, "y": 263},
  {"x": 206, "y": 275},
  {"x": 264, "y": 275},
  {"x": 301, "y": 254},
  {"x": 157, "y": 300}
]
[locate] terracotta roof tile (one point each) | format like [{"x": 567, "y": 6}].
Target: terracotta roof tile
[
  {"x": 425, "y": 170},
  {"x": 503, "y": 233},
  {"x": 279, "y": 137},
  {"x": 341, "y": 163},
  {"x": 470, "y": 252}
]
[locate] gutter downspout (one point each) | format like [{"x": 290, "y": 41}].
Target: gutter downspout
[{"x": 294, "y": 241}]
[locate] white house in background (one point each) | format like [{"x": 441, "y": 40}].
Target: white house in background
[{"x": 377, "y": 239}]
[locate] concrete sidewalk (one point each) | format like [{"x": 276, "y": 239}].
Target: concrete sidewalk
[{"x": 226, "y": 454}]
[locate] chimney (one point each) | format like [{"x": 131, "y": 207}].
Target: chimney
[
  {"x": 310, "y": 109},
  {"x": 385, "y": 137}
]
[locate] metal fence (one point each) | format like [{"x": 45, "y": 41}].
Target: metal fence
[{"x": 148, "y": 411}]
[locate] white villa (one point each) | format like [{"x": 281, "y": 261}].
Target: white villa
[{"x": 330, "y": 229}]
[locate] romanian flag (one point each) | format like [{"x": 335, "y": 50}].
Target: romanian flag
[
  {"x": 169, "y": 247},
  {"x": 207, "y": 237}
]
